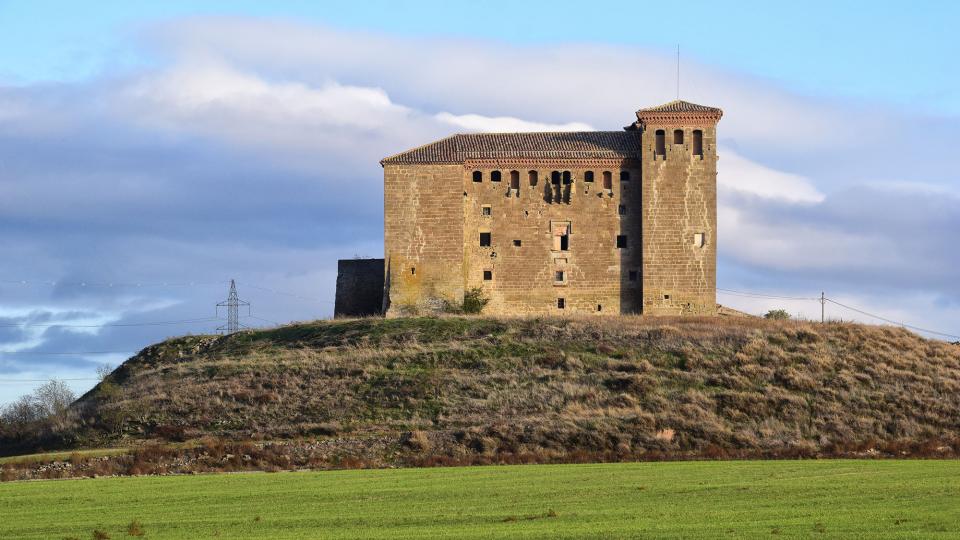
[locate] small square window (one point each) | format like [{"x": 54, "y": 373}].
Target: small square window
[
  {"x": 486, "y": 210},
  {"x": 561, "y": 303},
  {"x": 487, "y": 275},
  {"x": 666, "y": 297},
  {"x": 621, "y": 241},
  {"x": 559, "y": 276},
  {"x": 477, "y": 176},
  {"x": 632, "y": 275},
  {"x": 495, "y": 176},
  {"x": 484, "y": 239},
  {"x": 588, "y": 176},
  {"x": 699, "y": 240},
  {"x": 517, "y": 243}
]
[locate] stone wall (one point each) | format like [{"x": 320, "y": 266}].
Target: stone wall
[
  {"x": 359, "y": 288},
  {"x": 679, "y": 202},
  {"x": 423, "y": 237},
  {"x": 522, "y": 279}
]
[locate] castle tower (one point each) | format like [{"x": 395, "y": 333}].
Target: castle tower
[{"x": 679, "y": 208}]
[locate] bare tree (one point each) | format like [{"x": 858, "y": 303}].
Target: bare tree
[
  {"x": 54, "y": 398},
  {"x": 104, "y": 371}
]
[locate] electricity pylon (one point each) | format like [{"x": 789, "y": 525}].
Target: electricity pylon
[{"x": 232, "y": 303}]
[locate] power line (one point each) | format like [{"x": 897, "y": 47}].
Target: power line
[
  {"x": 762, "y": 295},
  {"x": 108, "y": 284},
  {"x": 283, "y": 293},
  {"x": 891, "y": 321},
  {"x": 823, "y": 300},
  {"x": 108, "y": 325},
  {"x": 68, "y": 353},
  {"x": 264, "y": 320},
  {"x": 47, "y": 380}
]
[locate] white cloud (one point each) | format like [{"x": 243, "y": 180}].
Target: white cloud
[
  {"x": 500, "y": 124},
  {"x": 736, "y": 173}
]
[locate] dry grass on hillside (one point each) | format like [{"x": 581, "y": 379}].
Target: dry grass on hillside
[{"x": 462, "y": 389}]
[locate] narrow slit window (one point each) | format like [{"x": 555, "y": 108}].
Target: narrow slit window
[
  {"x": 678, "y": 136},
  {"x": 561, "y": 303},
  {"x": 661, "y": 145},
  {"x": 599, "y": 307},
  {"x": 607, "y": 180},
  {"x": 622, "y": 210},
  {"x": 559, "y": 276},
  {"x": 532, "y": 178},
  {"x": 495, "y": 176},
  {"x": 621, "y": 241},
  {"x": 487, "y": 275},
  {"x": 413, "y": 270},
  {"x": 477, "y": 176},
  {"x": 588, "y": 176},
  {"x": 698, "y": 143},
  {"x": 624, "y": 176},
  {"x": 484, "y": 239}
]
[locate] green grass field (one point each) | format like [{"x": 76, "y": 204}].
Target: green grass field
[{"x": 785, "y": 499}]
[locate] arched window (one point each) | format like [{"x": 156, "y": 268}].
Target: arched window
[
  {"x": 495, "y": 176},
  {"x": 477, "y": 176},
  {"x": 678, "y": 136},
  {"x": 698, "y": 142},
  {"x": 566, "y": 177},
  {"x": 588, "y": 176},
  {"x": 661, "y": 149},
  {"x": 532, "y": 177},
  {"x": 515, "y": 181},
  {"x": 607, "y": 180},
  {"x": 555, "y": 178},
  {"x": 624, "y": 176}
]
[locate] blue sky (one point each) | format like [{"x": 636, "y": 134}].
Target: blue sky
[
  {"x": 151, "y": 151},
  {"x": 878, "y": 51}
]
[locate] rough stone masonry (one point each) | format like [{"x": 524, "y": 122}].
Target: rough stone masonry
[{"x": 604, "y": 222}]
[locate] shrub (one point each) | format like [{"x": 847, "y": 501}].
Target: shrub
[
  {"x": 777, "y": 315},
  {"x": 135, "y": 529},
  {"x": 474, "y": 301}
]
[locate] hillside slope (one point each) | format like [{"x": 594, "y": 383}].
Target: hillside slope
[{"x": 548, "y": 389}]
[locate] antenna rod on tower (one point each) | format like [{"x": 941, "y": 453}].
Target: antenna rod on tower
[{"x": 678, "y": 71}]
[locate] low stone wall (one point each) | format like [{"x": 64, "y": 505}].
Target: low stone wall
[{"x": 359, "y": 288}]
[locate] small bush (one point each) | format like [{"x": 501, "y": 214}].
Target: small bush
[
  {"x": 777, "y": 315},
  {"x": 474, "y": 301},
  {"x": 100, "y": 535},
  {"x": 135, "y": 529}
]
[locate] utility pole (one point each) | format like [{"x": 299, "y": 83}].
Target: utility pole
[
  {"x": 232, "y": 303},
  {"x": 823, "y": 303}
]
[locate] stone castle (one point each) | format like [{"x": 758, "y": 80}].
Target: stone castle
[{"x": 606, "y": 222}]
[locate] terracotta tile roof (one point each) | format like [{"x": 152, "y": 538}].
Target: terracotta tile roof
[
  {"x": 560, "y": 144},
  {"x": 678, "y": 105}
]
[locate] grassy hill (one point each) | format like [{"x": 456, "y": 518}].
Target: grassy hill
[{"x": 462, "y": 390}]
